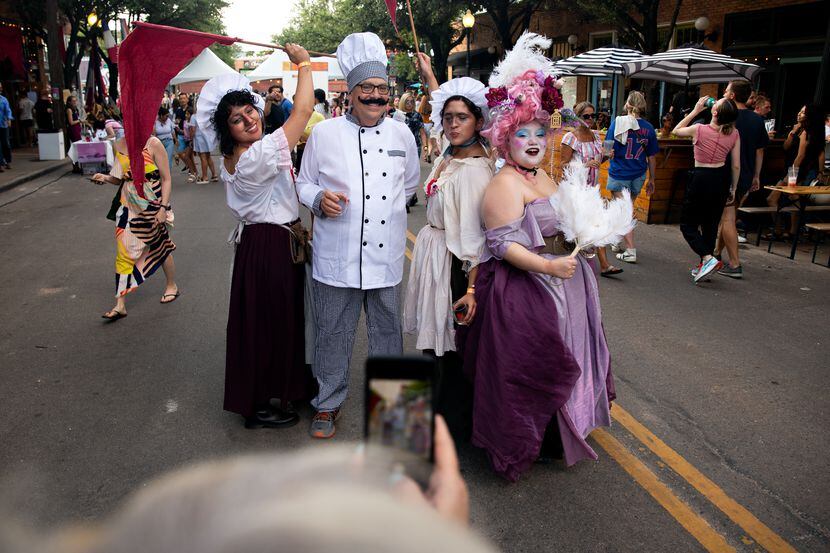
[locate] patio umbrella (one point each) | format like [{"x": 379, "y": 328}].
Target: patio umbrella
[
  {"x": 600, "y": 62},
  {"x": 690, "y": 66}
]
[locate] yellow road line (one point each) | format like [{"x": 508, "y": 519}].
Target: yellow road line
[
  {"x": 408, "y": 253},
  {"x": 762, "y": 535},
  {"x": 678, "y": 509}
]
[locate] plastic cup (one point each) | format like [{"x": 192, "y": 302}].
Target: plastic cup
[
  {"x": 607, "y": 147},
  {"x": 792, "y": 176}
]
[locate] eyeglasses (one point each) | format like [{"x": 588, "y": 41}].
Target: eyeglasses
[
  {"x": 588, "y": 116},
  {"x": 367, "y": 88}
]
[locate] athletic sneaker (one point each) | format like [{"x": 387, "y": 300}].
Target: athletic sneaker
[
  {"x": 736, "y": 272},
  {"x": 629, "y": 256},
  {"x": 616, "y": 248},
  {"x": 741, "y": 239},
  {"x": 707, "y": 268},
  {"x": 695, "y": 271},
  {"x": 322, "y": 425}
]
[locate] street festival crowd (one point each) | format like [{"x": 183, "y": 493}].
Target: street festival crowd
[{"x": 502, "y": 292}]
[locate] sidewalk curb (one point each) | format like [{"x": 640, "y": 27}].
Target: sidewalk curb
[{"x": 37, "y": 173}]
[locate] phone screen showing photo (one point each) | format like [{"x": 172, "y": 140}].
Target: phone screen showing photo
[{"x": 399, "y": 415}]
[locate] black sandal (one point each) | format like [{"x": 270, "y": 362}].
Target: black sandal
[
  {"x": 174, "y": 296},
  {"x": 610, "y": 272},
  {"x": 113, "y": 315}
]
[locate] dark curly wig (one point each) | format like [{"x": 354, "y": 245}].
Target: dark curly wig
[{"x": 234, "y": 98}]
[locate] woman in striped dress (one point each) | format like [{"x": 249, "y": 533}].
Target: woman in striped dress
[
  {"x": 584, "y": 145},
  {"x": 142, "y": 222}
]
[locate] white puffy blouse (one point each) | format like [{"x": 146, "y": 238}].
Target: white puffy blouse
[{"x": 261, "y": 189}]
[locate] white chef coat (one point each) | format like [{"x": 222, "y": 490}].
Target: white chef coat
[{"x": 378, "y": 169}]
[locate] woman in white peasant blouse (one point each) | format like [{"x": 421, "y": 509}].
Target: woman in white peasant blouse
[
  {"x": 265, "y": 357},
  {"x": 441, "y": 289}
]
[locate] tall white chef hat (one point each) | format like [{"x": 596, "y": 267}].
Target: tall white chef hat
[
  {"x": 210, "y": 96},
  {"x": 362, "y": 56},
  {"x": 469, "y": 88}
]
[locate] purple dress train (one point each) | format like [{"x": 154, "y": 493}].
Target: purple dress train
[{"x": 535, "y": 350}]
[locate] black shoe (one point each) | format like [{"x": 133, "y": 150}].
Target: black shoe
[{"x": 272, "y": 418}]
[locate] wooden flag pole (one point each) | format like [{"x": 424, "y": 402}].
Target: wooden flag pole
[
  {"x": 278, "y": 47},
  {"x": 412, "y": 24}
]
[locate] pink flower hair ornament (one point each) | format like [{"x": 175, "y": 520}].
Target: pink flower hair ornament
[{"x": 531, "y": 97}]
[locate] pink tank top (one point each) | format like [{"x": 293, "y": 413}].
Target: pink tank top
[{"x": 712, "y": 146}]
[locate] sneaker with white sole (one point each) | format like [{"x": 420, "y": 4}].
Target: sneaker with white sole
[
  {"x": 706, "y": 268},
  {"x": 629, "y": 256},
  {"x": 731, "y": 272},
  {"x": 616, "y": 248},
  {"x": 741, "y": 239},
  {"x": 322, "y": 425}
]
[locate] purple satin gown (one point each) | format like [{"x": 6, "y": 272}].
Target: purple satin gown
[{"x": 535, "y": 350}]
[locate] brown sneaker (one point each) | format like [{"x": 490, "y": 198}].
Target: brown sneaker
[{"x": 322, "y": 425}]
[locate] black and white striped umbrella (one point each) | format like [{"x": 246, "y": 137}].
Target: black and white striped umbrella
[
  {"x": 690, "y": 66},
  {"x": 599, "y": 62}
]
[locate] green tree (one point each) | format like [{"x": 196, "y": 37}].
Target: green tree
[
  {"x": 635, "y": 20},
  {"x": 200, "y": 15},
  {"x": 322, "y": 24},
  {"x": 511, "y": 17}
]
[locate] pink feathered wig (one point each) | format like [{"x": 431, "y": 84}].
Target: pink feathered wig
[{"x": 530, "y": 97}]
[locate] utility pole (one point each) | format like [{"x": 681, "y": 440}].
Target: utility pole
[{"x": 55, "y": 33}]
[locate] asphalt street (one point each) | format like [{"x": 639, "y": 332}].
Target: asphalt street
[{"x": 719, "y": 435}]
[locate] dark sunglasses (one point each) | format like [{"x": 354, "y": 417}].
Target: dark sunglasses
[{"x": 589, "y": 116}]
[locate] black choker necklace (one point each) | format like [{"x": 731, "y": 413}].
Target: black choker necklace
[
  {"x": 452, "y": 149},
  {"x": 525, "y": 170}
]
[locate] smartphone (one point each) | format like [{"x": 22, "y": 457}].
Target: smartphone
[{"x": 399, "y": 411}]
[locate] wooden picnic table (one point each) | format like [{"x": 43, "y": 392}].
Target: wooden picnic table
[{"x": 803, "y": 194}]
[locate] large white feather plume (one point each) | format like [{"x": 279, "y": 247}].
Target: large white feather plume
[
  {"x": 527, "y": 54},
  {"x": 585, "y": 218}
]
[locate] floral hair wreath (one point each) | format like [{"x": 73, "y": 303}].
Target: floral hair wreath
[{"x": 499, "y": 99}]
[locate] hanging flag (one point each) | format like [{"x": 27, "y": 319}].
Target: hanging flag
[
  {"x": 148, "y": 58},
  {"x": 392, "y": 8}
]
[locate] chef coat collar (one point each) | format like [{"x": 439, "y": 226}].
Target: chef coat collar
[{"x": 352, "y": 119}]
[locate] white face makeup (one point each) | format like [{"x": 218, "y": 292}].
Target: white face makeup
[{"x": 528, "y": 144}]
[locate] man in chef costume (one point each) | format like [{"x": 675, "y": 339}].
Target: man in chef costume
[{"x": 356, "y": 176}]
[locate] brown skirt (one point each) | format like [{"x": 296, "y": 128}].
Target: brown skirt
[{"x": 265, "y": 356}]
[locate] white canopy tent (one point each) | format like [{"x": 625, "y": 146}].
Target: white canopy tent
[{"x": 203, "y": 67}]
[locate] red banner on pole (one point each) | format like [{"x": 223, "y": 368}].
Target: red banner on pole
[
  {"x": 148, "y": 58},
  {"x": 392, "y": 7}
]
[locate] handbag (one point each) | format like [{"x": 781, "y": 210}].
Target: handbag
[{"x": 300, "y": 242}]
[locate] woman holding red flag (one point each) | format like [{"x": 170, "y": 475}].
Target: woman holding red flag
[{"x": 265, "y": 356}]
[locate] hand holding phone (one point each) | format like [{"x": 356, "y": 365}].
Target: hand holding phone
[{"x": 447, "y": 492}]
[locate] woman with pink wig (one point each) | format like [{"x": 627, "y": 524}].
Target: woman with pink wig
[{"x": 536, "y": 350}]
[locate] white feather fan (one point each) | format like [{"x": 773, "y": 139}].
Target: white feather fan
[
  {"x": 585, "y": 218},
  {"x": 528, "y": 54}
]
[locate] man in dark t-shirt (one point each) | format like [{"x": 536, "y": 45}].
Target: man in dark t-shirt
[
  {"x": 43, "y": 113},
  {"x": 754, "y": 139},
  {"x": 274, "y": 113}
]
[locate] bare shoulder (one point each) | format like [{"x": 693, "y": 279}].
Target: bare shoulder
[{"x": 503, "y": 200}]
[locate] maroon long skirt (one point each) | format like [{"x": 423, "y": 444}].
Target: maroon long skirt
[{"x": 265, "y": 356}]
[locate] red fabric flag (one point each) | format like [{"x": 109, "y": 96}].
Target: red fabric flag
[
  {"x": 148, "y": 58},
  {"x": 392, "y": 7}
]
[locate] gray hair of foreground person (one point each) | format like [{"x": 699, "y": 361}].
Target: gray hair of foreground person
[{"x": 312, "y": 501}]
